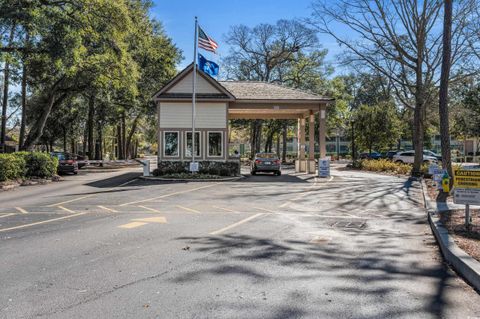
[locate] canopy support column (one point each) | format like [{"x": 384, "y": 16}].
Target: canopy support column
[{"x": 322, "y": 129}]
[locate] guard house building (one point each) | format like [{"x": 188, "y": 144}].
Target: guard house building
[{"x": 219, "y": 101}]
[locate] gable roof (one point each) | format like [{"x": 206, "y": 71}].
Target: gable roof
[
  {"x": 163, "y": 93},
  {"x": 255, "y": 90}
]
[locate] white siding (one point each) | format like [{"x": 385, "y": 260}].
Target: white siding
[
  {"x": 185, "y": 85},
  {"x": 179, "y": 115}
]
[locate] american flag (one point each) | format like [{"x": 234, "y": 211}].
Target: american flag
[{"x": 205, "y": 42}]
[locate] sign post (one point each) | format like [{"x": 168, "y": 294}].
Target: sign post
[{"x": 466, "y": 183}]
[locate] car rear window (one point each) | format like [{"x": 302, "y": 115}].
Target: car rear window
[
  {"x": 266, "y": 155},
  {"x": 63, "y": 156}
]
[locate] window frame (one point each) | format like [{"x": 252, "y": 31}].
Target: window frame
[
  {"x": 199, "y": 144},
  {"x": 178, "y": 144},
  {"x": 221, "y": 143}
]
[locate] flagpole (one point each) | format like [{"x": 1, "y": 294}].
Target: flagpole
[{"x": 194, "y": 90}]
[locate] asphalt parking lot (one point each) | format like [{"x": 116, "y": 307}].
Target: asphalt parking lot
[{"x": 355, "y": 245}]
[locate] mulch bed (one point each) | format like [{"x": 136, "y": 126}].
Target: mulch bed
[
  {"x": 454, "y": 222},
  {"x": 468, "y": 240}
]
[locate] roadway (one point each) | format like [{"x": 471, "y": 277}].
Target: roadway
[{"x": 109, "y": 245}]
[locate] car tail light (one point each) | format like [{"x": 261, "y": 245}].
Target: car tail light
[
  {"x": 277, "y": 161},
  {"x": 258, "y": 161},
  {"x": 70, "y": 162}
]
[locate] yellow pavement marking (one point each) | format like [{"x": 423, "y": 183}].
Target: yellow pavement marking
[
  {"x": 188, "y": 209},
  {"x": 150, "y": 209},
  {"x": 285, "y": 204},
  {"x": 160, "y": 220},
  {"x": 109, "y": 209},
  {"x": 225, "y": 209},
  {"x": 267, "y": 210},
  {"x": 66, "y": 209},
  {"x": 69, "y": 201},
  {"x": 243, "y": 221},
  {"x": 42, "y": 222},
  {"x": 132, "y": 225},
  {"x": 21, "y": 210},
  {"x": 6, "y": 215},
  {"x": 168, "y": 195}
]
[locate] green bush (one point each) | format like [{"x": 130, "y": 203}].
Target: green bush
[
  {"x": 40, "y": 165},
  {"x": 11, "y": 167}
]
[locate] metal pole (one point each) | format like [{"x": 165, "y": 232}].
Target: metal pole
[
  {"x": 353, "y": 141},
  {"x": 194, "y": 88},
  {"x": 467, "y": 216}
]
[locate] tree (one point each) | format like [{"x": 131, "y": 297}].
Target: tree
[
  {"x": 286, "y": 52},
  {"x": 443, "y": 95},
  {"x": 399, "y": 40},
  {"x": 378, "y": 126}
]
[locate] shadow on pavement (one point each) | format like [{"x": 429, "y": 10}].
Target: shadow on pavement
[{"x": 115, "y": 181}]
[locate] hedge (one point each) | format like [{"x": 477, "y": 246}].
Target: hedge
[
  {"x": 27, "y": 165},
  {"x": 205, "y": 167}
]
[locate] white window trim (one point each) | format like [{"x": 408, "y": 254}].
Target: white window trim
[
  {"x": 222, "y": 133},
  {"x": 199, "y": 144},
  {"x": 178, "y": 148}
]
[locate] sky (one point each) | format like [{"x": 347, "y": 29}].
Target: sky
[{"x": 216, "y": 17}]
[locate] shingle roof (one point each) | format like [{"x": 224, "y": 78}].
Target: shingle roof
[{"x": 254, "y": 90}]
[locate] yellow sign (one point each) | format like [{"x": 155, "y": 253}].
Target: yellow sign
[{"x": 466, "y": 178}]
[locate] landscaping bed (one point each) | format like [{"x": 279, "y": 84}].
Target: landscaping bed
[
  {"x": 27, "y": 168},
  {"x": 467, "y": 240}
]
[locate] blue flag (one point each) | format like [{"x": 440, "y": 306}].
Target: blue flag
[{"x": 209, "y": 67}]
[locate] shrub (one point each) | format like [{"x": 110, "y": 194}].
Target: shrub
[
  {"x": 383, "y": 165},
  {"x": 11, "y": 167},
  {"x": 40, "y": 164},
  {"x": 205, "y": 167}
]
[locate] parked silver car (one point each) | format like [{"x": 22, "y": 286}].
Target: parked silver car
[
  {"x": 409, "y": 156},
  {"x": 266, "y": 162}
]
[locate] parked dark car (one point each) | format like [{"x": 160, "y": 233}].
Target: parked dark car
[
  {"x": 266, "y": 162},
  {"x": 66, "y": 163},
  {"x": 372, "y": 155},
  {"x": 81, "y": 160},
  {"x": 389, "y": 155}
]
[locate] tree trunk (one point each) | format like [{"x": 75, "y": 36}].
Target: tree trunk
[
  {"x": 418, "y": 117},
  {"x": 23, "y": 121},
  {"x": 90, "y": 125},
  {"x": 119, "y": 142},
  {"x": 37, "y": 128},
  {"x": 64, "y": 139},
  {"x": 99, "y": 143},
  {"x": 278, "y": 145},
  {"x": 284, "y": 142},
  {"x": 124, "y": 132},
  {"x": 6, "y": 80},
  {"x": 72, "y": 144},
  {"x": 130, "y": 136},
  {"x": 443, "y": 95}
]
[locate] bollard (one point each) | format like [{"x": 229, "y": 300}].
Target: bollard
[
  {"x": 446, "y": 182},
  {"x": 146, "y": 167}
]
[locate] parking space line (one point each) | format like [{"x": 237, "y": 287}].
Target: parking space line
[
  {"x": 267, "y": 210},
  {"x": 188, "y": 209},
  {"x": 66, "y": 209},
  {"x": 132, "y": 225},
  {"x": 69, "y": 201},
  {"x": 243, "y": 221},
  {"x": 150, "y": 209},
  {"x": 42, "y": 222},
  {"x": 108, "y": 209},
  {"x": 225, "y": 209},
  {"x": 170, "y": 194},
  {"x": 6, "y": 215},
  {"x": 21, "y": 210}
]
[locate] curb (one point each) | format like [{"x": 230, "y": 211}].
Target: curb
[
  {"x": 464, "y": 264},
  {"x": 161, "y": 179}
]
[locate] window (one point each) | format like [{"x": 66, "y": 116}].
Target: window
[
  {"x": 170, "y": 144},
  {"x": 215, "y": 144},
  {"x": 188, "y": 144}
]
